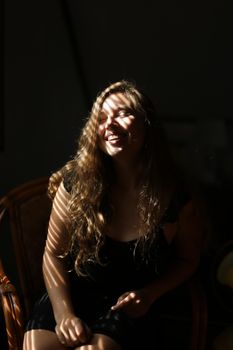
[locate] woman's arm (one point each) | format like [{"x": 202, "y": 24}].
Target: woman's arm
[
  {"x": 70, "y": 329},
  {"x": 187, "y": 244},
  {"x": 55, "y": 275}
]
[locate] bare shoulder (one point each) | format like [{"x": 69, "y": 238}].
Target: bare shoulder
[{"x": 58, "y": 229}]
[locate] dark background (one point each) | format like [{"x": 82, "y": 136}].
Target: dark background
[{"x": 58, "y": 54}]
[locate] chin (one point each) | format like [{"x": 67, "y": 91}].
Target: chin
[
  {"x": 114, "y": 152},
  {"x": 110, "y": 149}
]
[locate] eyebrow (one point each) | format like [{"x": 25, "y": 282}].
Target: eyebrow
[{"x": 118, "y": 109}]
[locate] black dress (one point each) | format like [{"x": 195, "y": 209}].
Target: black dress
[{"x": 122, "y": 269}]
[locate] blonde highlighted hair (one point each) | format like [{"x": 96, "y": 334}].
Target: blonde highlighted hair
[{"x": 90, "y": 175}]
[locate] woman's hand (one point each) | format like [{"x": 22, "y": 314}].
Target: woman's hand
[
  {"x": 134, "y": 304},
  {"x": 72, "y": 331}
]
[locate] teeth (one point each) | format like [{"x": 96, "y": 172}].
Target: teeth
[{"x": 113, "y": 137}]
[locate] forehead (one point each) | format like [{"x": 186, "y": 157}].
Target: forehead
[{"x": 116, "y": 101}]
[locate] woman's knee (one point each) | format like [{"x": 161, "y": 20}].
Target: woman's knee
[
  {"x": 40, "y": 339},
  {"x": 100, "y": 342}
]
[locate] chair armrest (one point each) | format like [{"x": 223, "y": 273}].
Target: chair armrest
[
  {"x": 12, "y": 312},
  {"x": 199, "y": 313}
]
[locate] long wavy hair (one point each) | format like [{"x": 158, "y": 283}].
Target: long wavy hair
[{"x": 91, "y": 174}]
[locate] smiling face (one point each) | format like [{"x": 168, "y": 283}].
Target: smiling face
[{"x": 121, "y": 129}]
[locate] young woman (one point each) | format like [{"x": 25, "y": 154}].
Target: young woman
[{"x": 123, "y": 232}]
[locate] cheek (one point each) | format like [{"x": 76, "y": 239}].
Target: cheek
[
  {"x": 138, "y": 135},
  {"x": 126, "y": 124},
  {"x": 100, "y": 130},
  {"x": 138, "y": 129}
]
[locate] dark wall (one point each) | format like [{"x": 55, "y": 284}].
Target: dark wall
[
  {"x": 58, "y": 55},
  {"x": 44, "y": 102}
]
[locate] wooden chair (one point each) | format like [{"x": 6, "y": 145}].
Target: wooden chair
[{"x": 24, "y": 218}]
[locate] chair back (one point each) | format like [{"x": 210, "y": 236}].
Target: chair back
[{"x": 24, "y": 216}]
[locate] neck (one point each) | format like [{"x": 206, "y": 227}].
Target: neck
[{"x": 127, "y": 173}]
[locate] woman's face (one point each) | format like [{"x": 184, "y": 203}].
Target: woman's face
[{"x": 121, "y": 130}]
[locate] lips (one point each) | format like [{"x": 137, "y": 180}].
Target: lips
[{"x": 114, "y": 137}]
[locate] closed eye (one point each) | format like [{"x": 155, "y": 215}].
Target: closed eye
[
  {"x": 120, "y": 113},
  {"x": 124, "y": 113}
]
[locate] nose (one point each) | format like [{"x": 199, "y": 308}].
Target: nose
[{"x": 109, "y": 120}]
